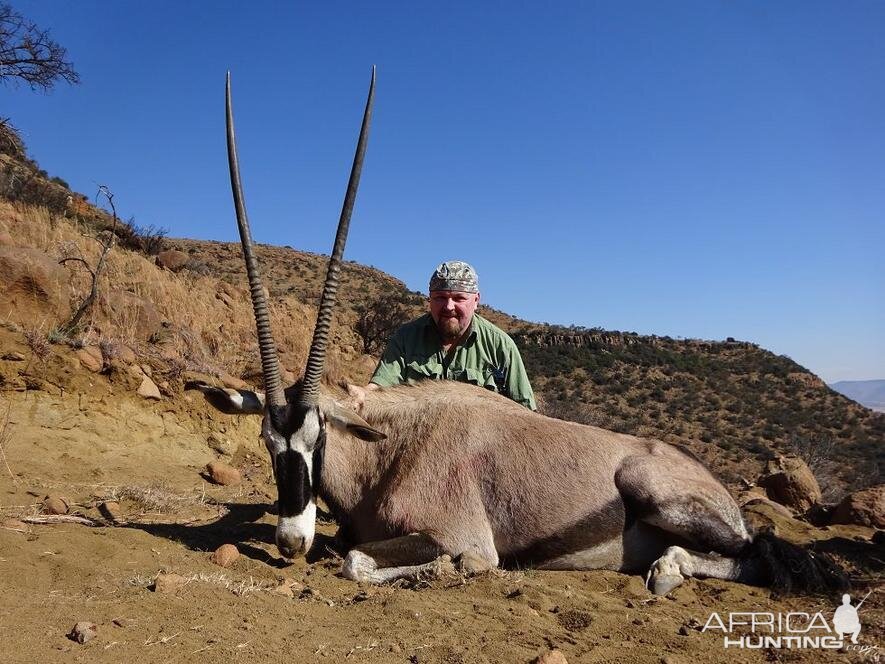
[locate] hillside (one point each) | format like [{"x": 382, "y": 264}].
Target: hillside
[
  {"x": 869, "y": 393},
  {"x": 733, "y": 403}
]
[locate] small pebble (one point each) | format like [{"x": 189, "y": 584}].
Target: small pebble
[
  {"x": 554, "y": 656},
  {"x": 223, "y": 474},
  {"x": 286, "y": 588},
  {"x": 168, "y": 583},
  {"x": 83, "y": 632},
  {"x": 15, "y": 524},
  {"x": 225, "y": 555},
  {"x": 55, "y": 505}
]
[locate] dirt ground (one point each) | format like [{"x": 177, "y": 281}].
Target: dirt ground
[{"x": 89, "y": 438}]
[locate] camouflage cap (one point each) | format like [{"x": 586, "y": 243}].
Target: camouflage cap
[{"x": 454, "y": 276}]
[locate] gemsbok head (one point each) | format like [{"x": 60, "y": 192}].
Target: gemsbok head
[{"x": 294, "y": 430}]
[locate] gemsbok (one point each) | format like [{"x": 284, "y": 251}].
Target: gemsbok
[{"x": 415, "y": 473}]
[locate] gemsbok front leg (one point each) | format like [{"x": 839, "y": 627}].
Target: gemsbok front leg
[{"x": 408, "y": 557}]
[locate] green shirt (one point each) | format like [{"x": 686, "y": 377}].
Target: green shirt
[{"x": 487, "y": 357}]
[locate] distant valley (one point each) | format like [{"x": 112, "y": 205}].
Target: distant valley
[{"x": 869, "y": 393}]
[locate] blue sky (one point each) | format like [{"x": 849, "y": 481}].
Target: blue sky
[{"x": 699, "y": 169}]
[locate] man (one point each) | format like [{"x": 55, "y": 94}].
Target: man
[{"x": 453, "y": 342}]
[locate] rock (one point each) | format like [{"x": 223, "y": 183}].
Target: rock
[
  {"x": 172, "y": 259},
  {"x": 135, "y": 315},
  {"x": 226, "y": 293},
  {"x": 777, "y": 507},
  {"x": 14, "y": 356},
  {"x": 55, "y": 505},
  {"x": 789, "y": 481},
  {"x": 554, "y": 656},
  {"x": 751, "y": 494},
  {"x": 225, "y": 555},
  {"x": 15, "y": 524},
  {"x": 220, "y": 444},
  {"x": 83, "y": 632},
  {"x": 36, "y": 290},
  {"x": 149, "y": 390},
  {"x": 168, "y": 583},
  {"x": 863, "y": 508},
  {"x": 90, "y": 357},
  {"x": 147, "y": 371},
  {"x": 126, "y": 354},
  {"x": 223, "y": 474},
  {"x": 232, "y": 382},
  {"x": 287, "y": 588},
  {"x": 111, "y": 511}
]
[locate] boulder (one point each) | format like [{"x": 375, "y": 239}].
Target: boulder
[
  {"x": 36, "y": 290},
  {"x": 172, "y": 259},
  {"x": 862, "y": 508},
  {"x": 789, "y": 481},
  {"x": 131, "y": 315}
]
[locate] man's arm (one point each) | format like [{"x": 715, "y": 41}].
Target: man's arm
[
  {"x": 518, "y": 386},
  {"x": 390, "y": 367}
]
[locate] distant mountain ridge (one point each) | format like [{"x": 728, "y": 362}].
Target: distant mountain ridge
[{"x": 869, "y": 393}]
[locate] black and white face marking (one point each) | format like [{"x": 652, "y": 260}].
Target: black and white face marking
[{"x": 293, "y": 436}]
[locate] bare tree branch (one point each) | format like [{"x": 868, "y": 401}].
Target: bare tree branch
[
  {"x": 107, "y": 243},
  {"x": 29, "y": 54}
]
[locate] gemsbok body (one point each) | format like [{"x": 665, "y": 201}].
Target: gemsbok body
[{"x": 417, "y": 472}]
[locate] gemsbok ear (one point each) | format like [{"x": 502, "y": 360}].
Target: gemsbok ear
[
  {"x": 231, "y": 402},
  {"x": 344, "y": 418}
]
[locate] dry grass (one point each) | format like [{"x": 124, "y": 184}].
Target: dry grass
[
  {"x": 237, "y": 587},
  {"x": 5, "y": 437},
  {"x": 38, "y": 342},
  {"x": 156, "y": 498},
  {"x": 200, "y": 329}
]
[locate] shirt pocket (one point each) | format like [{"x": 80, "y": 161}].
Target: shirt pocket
[
  {"x": 478, "y": 377},
  {"x": 415, "y": 372}
]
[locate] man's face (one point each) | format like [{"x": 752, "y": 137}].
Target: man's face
[{"x": 452, "y": 311}]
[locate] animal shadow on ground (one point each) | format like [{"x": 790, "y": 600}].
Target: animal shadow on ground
[{"x": 238, "y": 526}]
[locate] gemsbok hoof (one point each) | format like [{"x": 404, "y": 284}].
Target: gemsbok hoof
[{"x": 661, "y": 584}]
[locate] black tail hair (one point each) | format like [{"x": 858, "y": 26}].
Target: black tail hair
[{"x": 792, "y": 569}]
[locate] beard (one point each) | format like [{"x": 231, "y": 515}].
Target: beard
[{"x": 449, "y": 328}]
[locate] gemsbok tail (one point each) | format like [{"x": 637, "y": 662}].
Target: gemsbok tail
[{"x": 791, "y": 569}]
